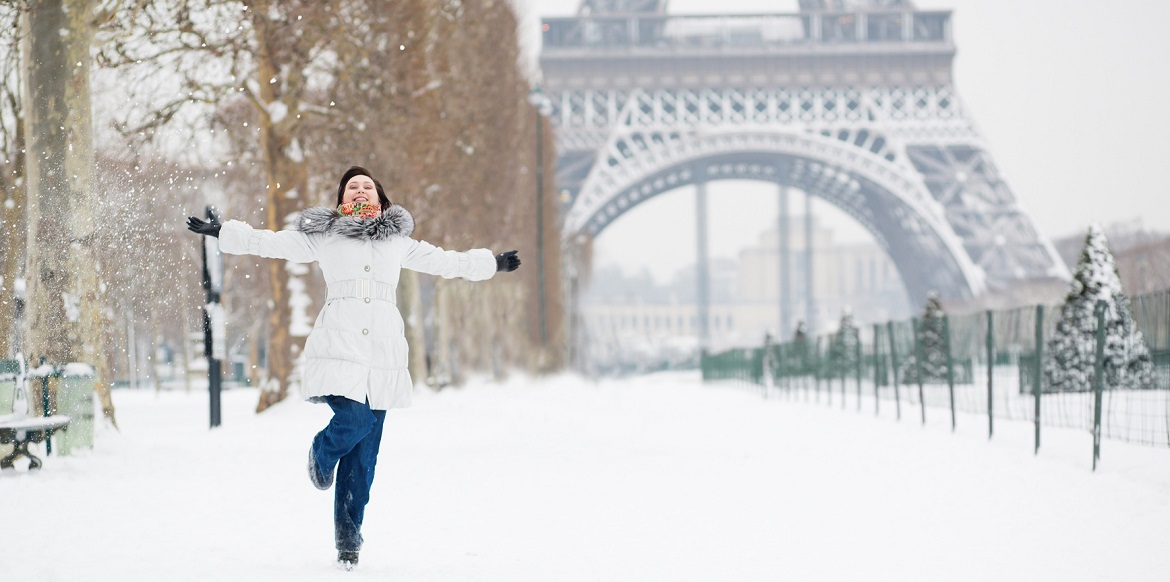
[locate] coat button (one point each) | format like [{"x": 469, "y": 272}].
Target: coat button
[
  {"x": 365, "y": 332},
  {"x": 367, "y": 268},
  {"x": 367, "y": 299}
]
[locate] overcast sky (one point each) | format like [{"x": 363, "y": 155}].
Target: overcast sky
[{"x": 1072, "y": 95}]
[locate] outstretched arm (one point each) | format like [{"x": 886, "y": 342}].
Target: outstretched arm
[
  {"x": 238, "y": 238},
  {"x": 473, "y": 265}
]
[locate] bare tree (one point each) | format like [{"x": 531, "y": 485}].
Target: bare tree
[
  {"x": 425, "y": 93},
  {"x": 441, "y": 109},
  {"x": 274, "y": 55},
  {"x": 64, "y": 315},
  {"x": 12, "y": 150}
]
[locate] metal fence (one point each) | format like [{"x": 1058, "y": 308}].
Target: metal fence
[{"x": 992, "y": 365}]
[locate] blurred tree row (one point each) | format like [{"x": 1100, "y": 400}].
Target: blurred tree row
[{"x": 258, "y": 107}]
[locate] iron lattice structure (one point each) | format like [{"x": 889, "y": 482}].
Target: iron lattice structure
[{"x": 849, "y": 100}]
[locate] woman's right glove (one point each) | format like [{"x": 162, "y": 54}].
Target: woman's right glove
[
  {"x": 197, "y": 226},
  {"x": 507, "y": 262}
]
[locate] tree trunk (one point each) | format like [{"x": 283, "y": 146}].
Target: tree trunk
[
  {"x": 282, "y": 174},
  {"x": 441, "y": 365},
  {"x": 152, "y": 356},
  {"x": 410, "y": 304},
  {"x": 287, "y": 178},
  {"x": 131, "y": 353},
  {"x": 64, "y": 308},
  {"x": 12, "y": 189},
  {"x": 12, "y": 237},
  {"x": 254, "y": 358}
]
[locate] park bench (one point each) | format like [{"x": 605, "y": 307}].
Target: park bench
[{"x": 18, "y": 428}]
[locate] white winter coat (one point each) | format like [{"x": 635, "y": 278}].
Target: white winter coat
[{"x": 357, "y": 348}]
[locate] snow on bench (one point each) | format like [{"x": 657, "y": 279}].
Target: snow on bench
[{"x": 18, "y": 428}]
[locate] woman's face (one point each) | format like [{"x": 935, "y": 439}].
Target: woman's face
[{"x": 360, "y": 189}]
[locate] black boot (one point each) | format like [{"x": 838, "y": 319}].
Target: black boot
[{"x": 347, "y": 560}]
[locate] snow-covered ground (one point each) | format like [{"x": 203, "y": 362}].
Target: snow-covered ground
[{"x": 644, "y": 479}]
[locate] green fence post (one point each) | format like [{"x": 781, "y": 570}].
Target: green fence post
[
  {"x": 823, "y": 371},
  {"x": 809, "y": 370},
  {"x": 804, "y": 368},
  {"x": 950, "y": 366},
  {"x": 731, "y": 364},
  {"x": 806, "y": 385},
  {"x": 741, "y": 365},
  {"x": 830, "y": 370},
  {"x": 826, "y": 369},
  {"x": 746, "y": 369},
  {"x": 918, "y": 367},
  {"x": 844, "y": 374},
  {"x": 877, "y": 350},
  {"x": 1098, "y": 380},
  {"x": 790, "y": 370},
  {"x": 806, "y": 379},
  {"x": 816, "y": 369},
  {"x": 46, "y": 406},
  {"x": 1038, "y": 373},
  {"x": 724, "y": 365},
  {"x": 735, "y": 366},
  {"x": 757, "y": 368},
  {"x": 778, "y": 367},
  {"x": 990, "y": 372},
  {"x": 788, "y": 376},
  {"x": 857, "y": 361},
  {"x": 894, "y": 370},
  {"x": 785, "y": 372}
]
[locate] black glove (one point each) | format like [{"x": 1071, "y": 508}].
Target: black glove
[
  {"x": 206, "y": 228},
  {"x": 507, "y": 261}
]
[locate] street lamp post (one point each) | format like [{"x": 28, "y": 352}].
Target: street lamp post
[
  {"x": 213, "y": 319},
  {"x": 543, "y": 107}
]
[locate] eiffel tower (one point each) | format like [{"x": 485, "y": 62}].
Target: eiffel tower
[{"x": 850, "y": 101}]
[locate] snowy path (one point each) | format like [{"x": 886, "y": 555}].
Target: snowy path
[{"x": 647, "y": 479}]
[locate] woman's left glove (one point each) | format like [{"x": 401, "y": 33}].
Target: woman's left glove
[
  {"x": 197, "y": 226},
  {"x": 507, "y": 261}
]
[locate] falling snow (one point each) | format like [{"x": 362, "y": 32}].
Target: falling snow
[{"x": 277, "y": 111}]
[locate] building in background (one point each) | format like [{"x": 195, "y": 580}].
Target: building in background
[
  {"x": 858, "y": 276},
  {"x": 634, "y": 323}
]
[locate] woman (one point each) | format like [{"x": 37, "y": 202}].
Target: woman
[{"x": 356, "y": 356}]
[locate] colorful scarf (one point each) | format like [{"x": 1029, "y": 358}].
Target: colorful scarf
[{"x": 359, "y": 210}]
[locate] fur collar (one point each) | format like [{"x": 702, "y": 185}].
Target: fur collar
[{"x": 394, "y": 221}]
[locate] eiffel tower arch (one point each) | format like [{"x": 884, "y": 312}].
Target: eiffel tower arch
[{"x": 851, "y": 101}]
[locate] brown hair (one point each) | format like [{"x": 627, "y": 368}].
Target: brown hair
[{"x": 383, "y": 201}]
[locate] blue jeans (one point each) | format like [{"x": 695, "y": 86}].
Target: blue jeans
[{"x": 351, "y": 442}]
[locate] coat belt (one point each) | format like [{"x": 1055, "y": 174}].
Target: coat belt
[{"x": 361, "y": 289}]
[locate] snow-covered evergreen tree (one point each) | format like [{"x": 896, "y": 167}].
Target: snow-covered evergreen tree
[
  {"x": 798, "y": 357},
  {"x": 844, "y": 348},
  {"x": 932, "y": 346},
  {"x": 1072, "y": 350}
]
